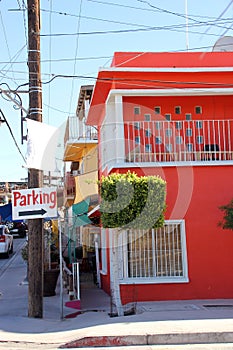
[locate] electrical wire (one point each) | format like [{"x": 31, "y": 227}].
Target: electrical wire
[
  {"x": 76, "y": 53},
  {"x": 12, "y": 61},
  {"x": 137, "y": 81},
  {"x": 24, "y": 21},
  {"x": 50, "y": 54},
  {"x": 6, "y": 41},
  {"x": 174, "y": 28},
  {"x": 209, "y": 23},
  {"x": 12, "y": 135},
  {"x": 224, "y": 11}
]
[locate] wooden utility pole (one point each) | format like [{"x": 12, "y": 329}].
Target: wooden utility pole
[{"x": 35, "y": 177}]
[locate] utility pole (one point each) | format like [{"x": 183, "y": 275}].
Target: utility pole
[{"x": 35, "y": 177}]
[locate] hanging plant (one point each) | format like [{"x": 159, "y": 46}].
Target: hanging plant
[
  {"x": 227, "y": 222},
  {"x": 132, "y": 201}
]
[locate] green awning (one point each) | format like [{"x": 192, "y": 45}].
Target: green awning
[{"x": 80, "y": 211}]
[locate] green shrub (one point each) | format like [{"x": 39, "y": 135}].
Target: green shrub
[
  {"x": 227, "y": 222},
  {"x": 131, "y": 201}
]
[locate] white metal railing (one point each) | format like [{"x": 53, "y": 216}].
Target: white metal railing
[
  {"x": 76, "y": 280},
  {"x": 156, "y": 253},
  {"x": 178, "y": 141},
  {"x": 77, "y": 132}
]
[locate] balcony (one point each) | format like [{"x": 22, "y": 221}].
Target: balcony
[
  {"x": 79, "y": 140},
  {"x": 179, "y": 141},
  {"x": 69, "y": 188},
  {"x": 73, "y": 131}
]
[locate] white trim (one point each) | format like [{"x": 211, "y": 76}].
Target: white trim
[
  {"x": 167, "y": 69},
  {"x": 128, "y": 165},
  {"x": 93, "y": 210},
  {"x": 156, "y": 279},
  {"x": 169, "y": 92},
  {"x": 104, "y": 267}
]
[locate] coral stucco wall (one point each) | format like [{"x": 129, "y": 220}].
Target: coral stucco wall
[{"x": 194, "y": 194}]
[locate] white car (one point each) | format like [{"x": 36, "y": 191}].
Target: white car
[{"x": 6, "y": 241}]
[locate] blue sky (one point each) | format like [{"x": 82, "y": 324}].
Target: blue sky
[{"x": 80, "y": 36}]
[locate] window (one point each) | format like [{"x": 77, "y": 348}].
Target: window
[
  {"x": 137, "y": 110},
  {"x": 168, "y": 147},
  {"x": 147, "y": 117},
  {"x": 179, "y": 140},
  {"x": 189, "y": 147},
  {"x": 199, "y": 124},
  {"x": 137, "y": 139},
  {"x": 168, "y": 132},
  {"x": 198, "y": 110},
  {"x": 189, "y": 132},
  {"x": 188, "y": 116},
  {"x": 177, "y": 110},
  {"x": 158, "y": 140},
  {"x": 157, "y": 110},
  {"x": 168, "y": 117},
  {"x": 148, "y": 148},
  {"x": 148, "y": 132},
  {"x": 137, "y": 125},
  {"x": 158, "y": 125},
  {"x": 157, "y": 253},
  {"x": 179, "y": 125},
  {"x": 199, "y": 140}
]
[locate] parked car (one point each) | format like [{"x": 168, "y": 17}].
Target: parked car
[
  {"x": 6, "y": 241},
  {"x": 18, "y": 228}
]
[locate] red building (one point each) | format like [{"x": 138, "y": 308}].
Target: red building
[{"x": 169, "y": 114}]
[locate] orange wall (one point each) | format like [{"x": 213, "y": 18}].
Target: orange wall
[
  {"x": 209, "y": 247},
  {"x": 213, "y": 107}
]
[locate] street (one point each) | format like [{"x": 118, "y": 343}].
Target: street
[
  {"x": 15, "y": 258},
  {"x": 20, "y": 332}
]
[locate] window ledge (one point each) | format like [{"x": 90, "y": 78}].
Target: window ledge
[{"x": 152, "y": 280}]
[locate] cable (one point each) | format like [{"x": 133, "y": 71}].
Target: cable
[
  {"x": 132, "y": 81},
  {"x": 50, "y": 54},
  {"x": 24, "y": 21},
  {"x": 120, "y": 31},
  {"x": 14, "y": 57},
  {"x": 12, "y": 135},
  {"x": 226, "y": 8},
  {"x": 8, "y": 49},
  {"x": 76, "y": 53}
]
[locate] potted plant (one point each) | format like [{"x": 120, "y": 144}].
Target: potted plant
[{"x": 51, "y": 262}]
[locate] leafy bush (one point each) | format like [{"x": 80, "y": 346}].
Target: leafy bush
[
  {"x": 131, "y": 201},
  {"x": 227, "y": 222}
]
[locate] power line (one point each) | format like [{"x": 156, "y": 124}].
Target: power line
[
  {"x": 226, "y": 8},
  {"x": 213, "y": 22},
  {"x": 76, "y": 53},
  {"x": 12, "y": 135},
  {"x": 135, "y": 81}
]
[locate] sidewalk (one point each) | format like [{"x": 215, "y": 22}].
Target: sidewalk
[{"x": 178, "y": 322}]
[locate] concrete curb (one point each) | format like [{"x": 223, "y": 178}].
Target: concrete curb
[{"x": 151, "y": 339}]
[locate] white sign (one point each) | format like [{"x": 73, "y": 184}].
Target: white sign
[{"x": 34, "y": 203}]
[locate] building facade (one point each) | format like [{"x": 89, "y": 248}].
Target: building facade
[{"x": 169, "y": 114}]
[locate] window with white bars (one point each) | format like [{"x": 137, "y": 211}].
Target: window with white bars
[{"x": 157, "y": 254}]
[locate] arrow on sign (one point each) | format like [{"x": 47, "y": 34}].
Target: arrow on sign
[{"x": 32, "y": 212}]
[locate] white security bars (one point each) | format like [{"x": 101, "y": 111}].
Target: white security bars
[{"x": 156, "y": 254}]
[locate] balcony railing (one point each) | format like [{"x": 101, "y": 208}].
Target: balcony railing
[
  {"x": 74, "y": 133},
  {"x": 179, "y": 141}
]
